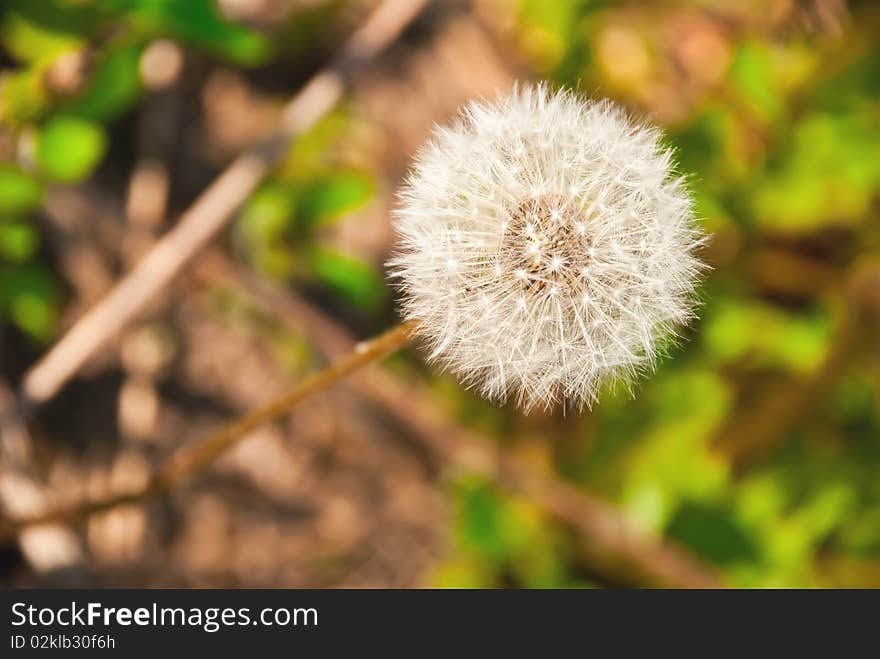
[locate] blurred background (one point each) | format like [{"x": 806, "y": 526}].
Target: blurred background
[{"x": 754, "y": 451}]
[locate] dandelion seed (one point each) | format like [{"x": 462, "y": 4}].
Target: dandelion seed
[{"x": 573, "y": 239}]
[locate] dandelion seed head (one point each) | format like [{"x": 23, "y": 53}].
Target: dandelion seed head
[{"x": 573, "y": 243}]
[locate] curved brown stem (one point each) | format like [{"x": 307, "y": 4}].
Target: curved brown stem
[{"x": 192, "y": 459}]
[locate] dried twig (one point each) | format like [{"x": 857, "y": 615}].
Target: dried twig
[
  {"x": 213, "y": 208},
  {"x": 188, "y": 461}
]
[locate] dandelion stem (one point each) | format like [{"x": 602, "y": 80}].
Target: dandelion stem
[{"x": 191, "y": 460}]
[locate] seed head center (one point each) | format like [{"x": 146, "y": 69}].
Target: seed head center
[{"x": 546, "y": 244}]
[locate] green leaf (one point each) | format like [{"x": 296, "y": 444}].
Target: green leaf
[
  {"x": 548, "y": 29},
  {"x": 19, "y": 193},
  {"x": 114, "y": 87},
  {"x": 712, "y": 531},
  {"x": 28, "y": 294},
  {"x": 307, "y": 157},
  {"x": 69, "y": 148},
  {"x": 506, "y": 532},
  {"x": 348, "y": 277},
  {"x": 23, "y": 96},
  {"x": 268, "y": 214},
  {"x": 264, "y": 229},
  {"x": 18, "y": 241},
  {"x": 766, "y": 335},
  {"x": 31, "y": 41},
  {"x": 72, "y": 17},
  {"x": 671, "y": 460},
  {"x": 486, "y": 524},
  {"x": 196, "y": 21},
  {"x": 464, "y": 573},
  {"x": 828, "y": 172},
  {"x": 328, "y": 199},
  {"x": 752, "y": 74}
]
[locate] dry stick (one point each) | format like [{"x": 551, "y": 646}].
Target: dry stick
[
  {"x": 609, "y": 543},
  {"x": 192, "y": 459},
  {"x": 211, "y": 211}
]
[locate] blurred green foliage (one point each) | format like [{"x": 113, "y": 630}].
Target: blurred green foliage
[
  {"x": 777, "y": 128},
  {"x": 280, "y": 229},
  {"x": 67, "y": 133},
  {"x": 69, "y": 148}
]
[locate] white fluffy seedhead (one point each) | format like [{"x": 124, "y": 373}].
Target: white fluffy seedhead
[{"x": 546, "y": 246}]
